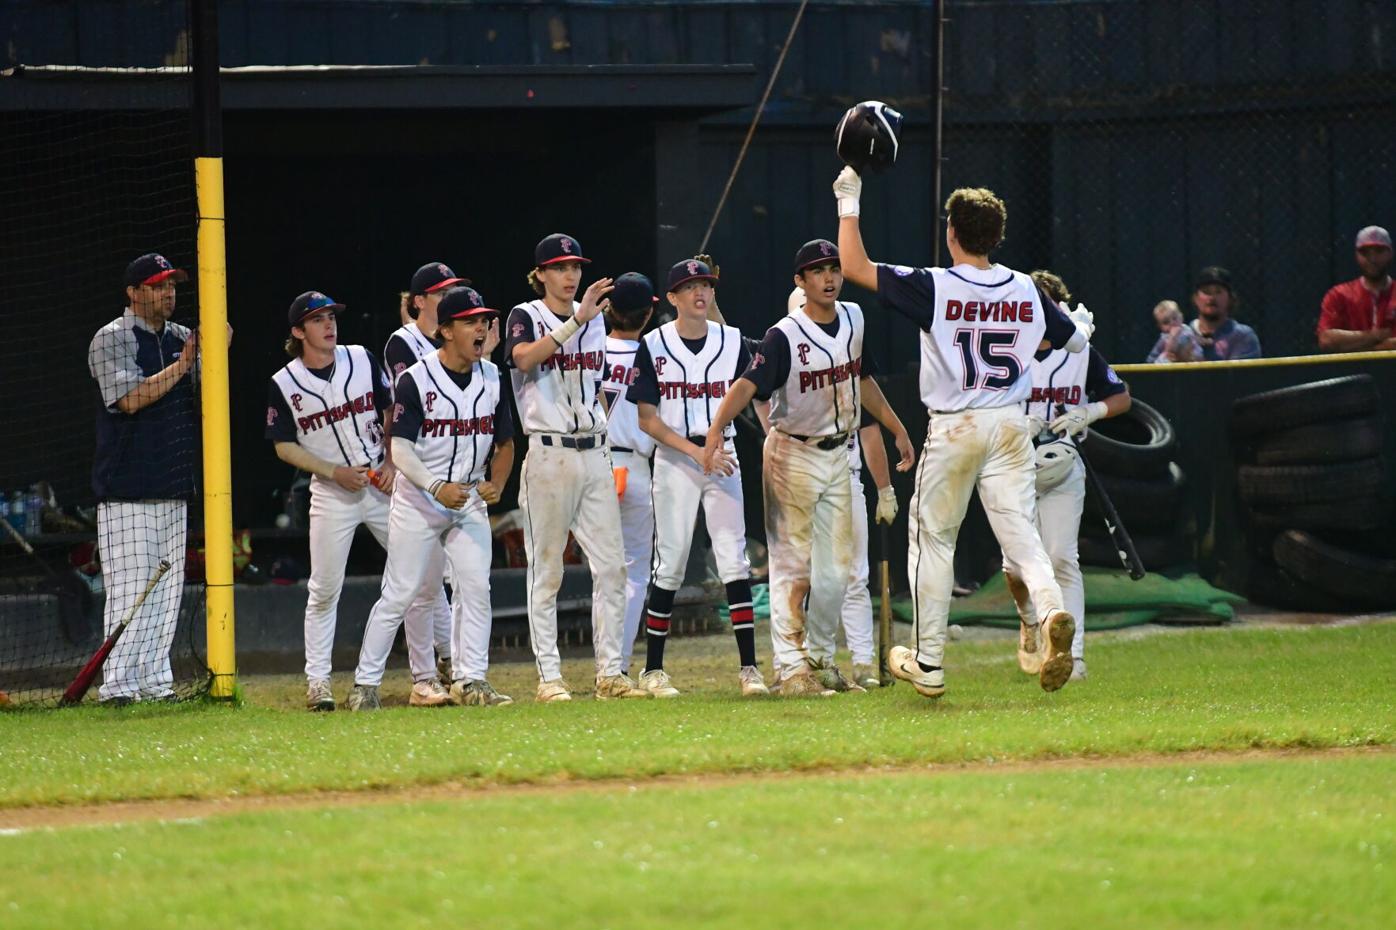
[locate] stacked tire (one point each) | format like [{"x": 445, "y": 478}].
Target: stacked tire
[
  {"x": 1132, "y": 454},
  {"x": 1313, "y": 484}
]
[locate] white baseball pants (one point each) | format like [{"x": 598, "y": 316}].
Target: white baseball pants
[
  {"x": 563, "y": 489},
  {"x": 679, "y": 487},
  {"x": 335, "y": 514},
  {"x": 991, "y": 448},
  {"x": 422, "y": 536},
  {"x": 807, "y": 494},
  {"x": 850, "y": 602},
  {"x": 1059, "y": 526},
  {"x": 132, "y": 538},
  {"x": 637, "y": 534}
]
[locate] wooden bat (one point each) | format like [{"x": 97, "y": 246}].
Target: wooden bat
[
  {"x": 78, "y": 689},
  {"x": 884, "y": 613}
]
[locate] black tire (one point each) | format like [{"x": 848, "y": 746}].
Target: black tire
[
  {"x": 1138, "y": 442},
  {"x": 1321, "y": 443},
  {"x": 1368, "y": 512},
  {"x": 1143, "y": 503},
  {"x": 1315, "y": 402},
  {"x": 1343, "y": 573},
  {"x": 1156, "y": 552},
  {"x": 1263, "y": 486},
  {"x": 1272, "y": 586}
]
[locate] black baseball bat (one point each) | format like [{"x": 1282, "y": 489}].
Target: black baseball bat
[{"x": 1124, "y": 545}]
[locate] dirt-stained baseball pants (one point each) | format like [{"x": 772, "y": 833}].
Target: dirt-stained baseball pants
[
  {"x": 637, "y": 532},
  {"x": 1059, "y": 526}
]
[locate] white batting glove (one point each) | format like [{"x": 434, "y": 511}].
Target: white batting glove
[
  {"x": 886, "y": 505},
  {"x": 848, "y": 187},
  {"x": 1036, "y": 426},
  {"x": 1084, "y": 320},
  {"x": 1077, "y": 419}
]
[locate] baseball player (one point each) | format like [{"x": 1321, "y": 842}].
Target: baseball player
[
  {"x": 556, "y": 349},
  {"x": 325, "y": 412},
  {"x": 683, "y": 370},
  {"x": 980, "y": 325},
  {"x": 451, "y": 426},
  {"x": 812, "y": 367},
  {"x": 409, "y": 344},
  {"x": 852, "y": 601},
  {"x": 144, "y": 473},
  {"x": 1070, "y": 391},
  {"x": 632, "y": 304}
]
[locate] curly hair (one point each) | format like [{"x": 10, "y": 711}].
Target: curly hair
[
  {"x": 535, "y": 282},
  {"x": 1053, "y": 286},
  {"x": 979, "y": 218}
]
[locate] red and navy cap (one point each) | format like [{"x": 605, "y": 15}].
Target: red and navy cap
[
  {"x": 151, "y": 268},
  {"x": 690, "y": 269},
  {"x": 434, "y": 276},
  {"x": 816, "y": 252},
  {"x": 308, "y": 304},
  {"x": 559, "y": 247},
  {"x": 461, "y": 303},
  {"x": 632, "y": 292}
]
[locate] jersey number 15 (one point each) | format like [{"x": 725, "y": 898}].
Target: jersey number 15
[{"x": 987, "y": 356}]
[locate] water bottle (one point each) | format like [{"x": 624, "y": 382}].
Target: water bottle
[{"x": 34, "y": 514}]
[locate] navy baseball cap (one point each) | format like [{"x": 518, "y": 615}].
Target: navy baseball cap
[
  {"x": 432, "y": 277},
  {"x": 816, "y": 252},
  {"x": 151, "y": 268},
  {"x": 309, "y": 303},
  {"x": 559, "y": 247},
  {"x": 1213, "y": 274},
  {"x": 632, "y": 291},
  {"x": 690, "y": 269},
  {"x": 461, "y": 303}
]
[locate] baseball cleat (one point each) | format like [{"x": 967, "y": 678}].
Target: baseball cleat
[
  {"x": 1078, "y": 670},
  {"x": 550, "y": 692},
  {"x": 363, "y": 697},
  {"x": 428, "y": 693},
  {"x": 443, "y": 670},
  {"x": 1029, "y": 648},
  {"x": 318, "y": 695},
  {"x": 656, "y": 682},
  {"x": 752, "y": 684},
  {"x": 609, "y": 687},
  {"x": 119, "y": 700},
  {"x": 866, "y": 676},
  {"x": 477, "y": 693},
  {"x": 803, "y": 684},
  {"x": 902, "y": 662},
  {"x": 830, "y": 677},
  {"x": 1057, "y": 630}
]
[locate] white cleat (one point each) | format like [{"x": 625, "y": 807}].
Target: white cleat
[
  {"x": 551, "y": 692},
  {"x": 866, "y": 677},
  {"x": 612, "y": 687},
  {"x": 318, "y": 695},
  {"x": 1078, "y": 670},
  {"x": 831, "y": 678},
  {"x": 656, "y": 682},
  {"x": 1029, "y": 648},
  {"x": 752, "y": 684},
  {"x": 477, "y": 693},
  {"x": 903, "y": 664},
  {"x": 803, "y": 684},
  {"x": 428, "y": 693},
  {"x": 363, "y": 697},
  {"x": 1057, "y": 630}
]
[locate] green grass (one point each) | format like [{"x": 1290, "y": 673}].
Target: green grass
[
  {"x": 1224, "y": 689},
  {"x": 1258, "y": 843}
]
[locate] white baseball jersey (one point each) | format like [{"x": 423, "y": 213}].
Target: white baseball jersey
[
  {"x": 562, "y": 394},
  {"x": 404, "y": 348},
  {"x": 820, "y": 396},
  {"x": 458, "y": 424},
  {"x": 692, "y": 385},
  {"x": 336, "y": 419},
  {"x": 623, "y": 422}
]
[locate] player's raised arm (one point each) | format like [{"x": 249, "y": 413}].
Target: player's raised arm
[
  {"x": 527, "y": 356},
  {"x": 853, "y": 256}
]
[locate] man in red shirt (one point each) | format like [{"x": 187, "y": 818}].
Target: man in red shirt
[{"x": 1360, "y": 315}]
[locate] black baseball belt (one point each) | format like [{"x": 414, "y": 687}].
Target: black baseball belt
[
  {"x": 580, "y": 443},
  {"x": 822, "y": 442}
]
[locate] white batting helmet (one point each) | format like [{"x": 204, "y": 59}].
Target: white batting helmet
[
  {"x": 1055, "y": 460},
  {"x": 795, "y": 302}
]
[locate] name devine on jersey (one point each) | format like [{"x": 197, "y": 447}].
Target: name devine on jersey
[{"x": 997, "y": 311}]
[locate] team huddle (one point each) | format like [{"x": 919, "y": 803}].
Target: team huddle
[{"x": 617, "y": 418}]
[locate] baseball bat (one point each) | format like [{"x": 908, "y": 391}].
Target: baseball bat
[
  {"x": 884, "y": 613},
  {"x": 1124, "y": 544},
  {"x": 83, "y": 681}
]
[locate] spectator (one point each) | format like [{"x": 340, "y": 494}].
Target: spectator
[
  {"x": 1360, "y": 314},
  {"x": 1222, "y": 338},
  {"x": 1176, "y": 341}
]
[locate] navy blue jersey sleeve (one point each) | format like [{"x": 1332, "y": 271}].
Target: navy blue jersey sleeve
[
  {"x": 382, "y": 388},
  {"x": 518, "y": 330},
  {"x": 770, "y": 366},
  {"x": 398, "y": 355},
  {"x": 1059, "y": 325},
  {"x": 868, "y": 367},
  {"x": 281, "y": 426},
  {"x": 407, "y": 412},
  {"x": 645, "y": 388},
  {"x": 743, "y": 358},
  {"x": 503, "y": 420},
  {"x": 1101, "y": 380},
  {"x": 909, "y": 291}
]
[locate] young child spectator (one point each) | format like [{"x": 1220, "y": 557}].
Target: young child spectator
[
  {"x": 1360, "y": 315},
  {"x": 1176, "y": 342}
]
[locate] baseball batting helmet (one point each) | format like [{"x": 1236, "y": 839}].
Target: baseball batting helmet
[
  {"x": 1055, "y": 460},
  {"x": 866, "y": 137}
]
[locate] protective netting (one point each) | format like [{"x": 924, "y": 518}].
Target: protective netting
[{"x": 102, "y": 472}]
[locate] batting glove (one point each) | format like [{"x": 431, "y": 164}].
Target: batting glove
[
  {"x": 1084, "y": 320},
  {"x": 1077, "y": 419},
  {"x": 848, "y": 187},
  {"x": 886, "y": 505},
  {"x": 1036, "y": 426}
]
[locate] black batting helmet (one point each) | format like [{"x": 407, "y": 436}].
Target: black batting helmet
[{"x": 866, "y": 137}]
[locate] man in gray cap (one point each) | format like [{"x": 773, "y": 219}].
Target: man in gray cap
[{"x": 1360, "y": 315}]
